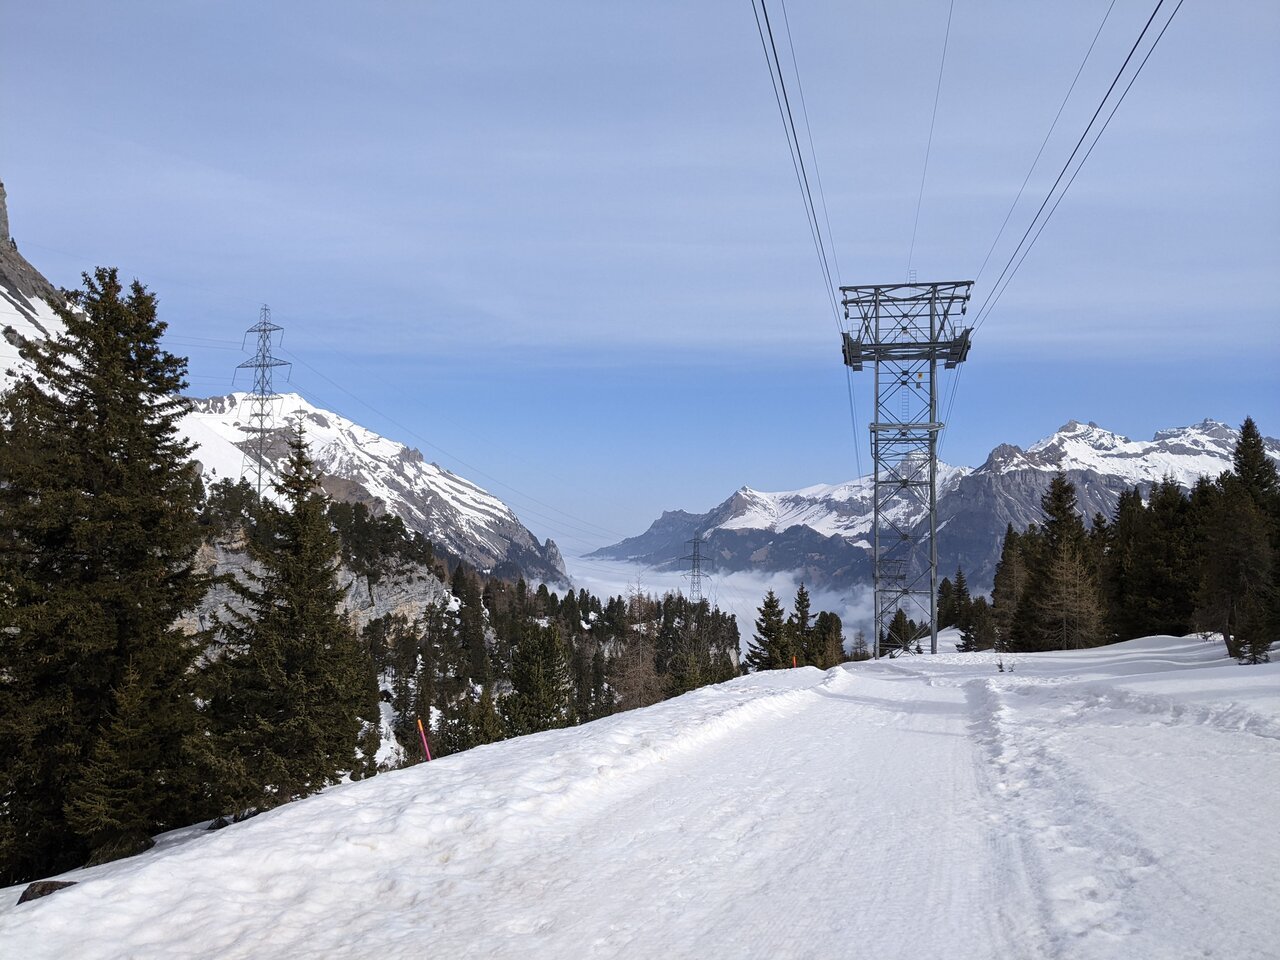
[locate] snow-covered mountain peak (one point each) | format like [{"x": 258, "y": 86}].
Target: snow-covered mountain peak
[
  {"x": 446, "y": 508},
  {"x": 1074, "y": 434},
  {"x": 1183, "y": 453}
]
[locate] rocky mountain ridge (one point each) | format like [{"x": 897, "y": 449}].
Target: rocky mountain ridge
[{"x": 822, "y": 532}]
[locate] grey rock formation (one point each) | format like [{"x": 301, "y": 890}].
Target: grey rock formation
[
  {"x": 21, "y": 284},
  {"x": 406, "y": 591}
]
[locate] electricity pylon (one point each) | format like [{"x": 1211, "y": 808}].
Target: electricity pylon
[
  {"x": 904, "y": 330},
  {"x": 260, "y": 423},
  {"x": 695, "y": 573}
]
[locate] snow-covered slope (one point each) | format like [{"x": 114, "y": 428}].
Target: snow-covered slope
[
  {"x": 1108, "y": 803},
  {"x": 358, "y": 464}
]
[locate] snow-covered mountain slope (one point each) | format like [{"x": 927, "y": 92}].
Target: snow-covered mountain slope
[
  {"x": 1007, "y": 488},
  {"x": 359, "y": 465},
  {"x": 1092, "y": 804},
  {"x": 819, "y": 532},
  {"x": 832, "y": 510},
  {"x": 823, "y": 532},
  {"x": 24, "y": 300}
]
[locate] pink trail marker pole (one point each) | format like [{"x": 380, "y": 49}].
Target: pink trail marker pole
[{"x": 423, "y": 733}]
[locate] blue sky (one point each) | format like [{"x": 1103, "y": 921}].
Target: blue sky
[{"x": 560, "y": 247}]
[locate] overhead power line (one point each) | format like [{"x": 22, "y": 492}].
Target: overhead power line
[
  {"x": 937, "y": 93},
  {"x": 783, "y": 99},
  {"x": 996, "y": 288},
  {"x": 824, "y": 247},
  {"x": 994, "y": 298},
  {"x": 1037, "y": 224},
  {"x": 1044, "y": 143}
]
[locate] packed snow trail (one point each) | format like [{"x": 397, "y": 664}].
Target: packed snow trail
[{"x": 1105, "y": 803}]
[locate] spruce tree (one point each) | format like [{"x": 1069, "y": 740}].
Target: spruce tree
[
  {"x": 1255, "y": 470},
  {"x": 540, "y": 683},
  {"x": 1122, "y": 572},
  {"x": 471, "y": 632},
  {"x": 800, "y": 634},
  {"x": 946, "y": 604},
  {"x": 961, "y": 602},
  {"x": 980, "y": 634},
  {"x": 292, "y": 683},
  {"x": 1237, "y": 592},
  {"x": 1163, "y": 578},
  {"x": 770, "y": 648},
  {"x": 902, "y": 636},
  {"x": 98, "y": 537},
  {"x": 1007, "y": 587}
]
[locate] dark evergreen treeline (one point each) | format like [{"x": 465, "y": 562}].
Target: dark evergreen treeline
[
  {"x": 117, "y": 724},
  {"x": 500, "y": 660},
  {"x": 1175, "y": 563}
]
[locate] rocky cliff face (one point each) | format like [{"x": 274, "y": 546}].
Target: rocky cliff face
[
  {"x": 406, "y": 591},
  {"x": 25, "y": 295}
]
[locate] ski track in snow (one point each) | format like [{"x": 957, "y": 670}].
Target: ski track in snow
[{"x": 1093, "y": 804}]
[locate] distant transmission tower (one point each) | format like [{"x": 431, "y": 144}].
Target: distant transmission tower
[
  {"x": 695, "y": 574},
  {"x": 260, "y": 422},
  {"x": 905, "y": 330}
]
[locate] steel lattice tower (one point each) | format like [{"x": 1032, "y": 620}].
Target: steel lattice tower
[
  {"x": 905, "y": 330},
  {"x": 260, "y": 423},
  {"x": 695, "y": 573}
]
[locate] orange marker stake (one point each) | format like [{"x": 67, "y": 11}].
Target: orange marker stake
[{"x": 423, "y": 733}]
